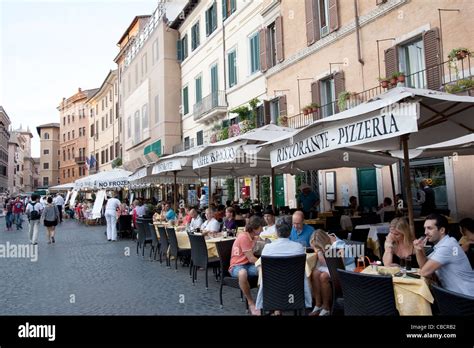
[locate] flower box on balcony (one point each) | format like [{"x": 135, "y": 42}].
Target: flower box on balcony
[{"x": 234, "y": 130}]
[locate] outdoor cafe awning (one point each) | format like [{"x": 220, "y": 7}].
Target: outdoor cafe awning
[{"x": 111, "y": 179}]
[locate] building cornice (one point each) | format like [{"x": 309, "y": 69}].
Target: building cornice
[{"x": 346, "y": 30}]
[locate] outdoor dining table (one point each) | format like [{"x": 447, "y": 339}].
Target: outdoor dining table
[
  {"x": 412, "y": 295},
  {"x": 372, "y": 238},
  {"x": 184, "y": 243}
]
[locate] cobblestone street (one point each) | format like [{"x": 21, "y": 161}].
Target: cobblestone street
[{"x": 83, "y": 273}]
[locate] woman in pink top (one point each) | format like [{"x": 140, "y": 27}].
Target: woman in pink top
[{"x": 242, "y": 262}]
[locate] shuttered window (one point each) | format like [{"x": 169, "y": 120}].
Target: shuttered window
[
  {"x": 198, "y": 88},
  {"x": 195, "y": 40},
  {"x": 279, "y": 39},
  {"x": 254, "y": 42},
  {"x": 185, "y": 101},
  {"x": 263, "y": 49},
  {"x": 321, "y": 18},
  {"x": 211, "y": 19},
  {"x": 431, "y": 45},
  {"x": 228, "y": 7},
  {"x": 282, "y": 107},
  {"x": 232, "y": 68}
]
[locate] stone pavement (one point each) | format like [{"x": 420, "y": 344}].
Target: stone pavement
[{"x": 83, "y": 273}]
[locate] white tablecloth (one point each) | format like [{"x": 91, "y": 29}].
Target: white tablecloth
[{"x": 374, "y": 229}]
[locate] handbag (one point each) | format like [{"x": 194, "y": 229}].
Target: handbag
[{"x": 361, "y": 264}]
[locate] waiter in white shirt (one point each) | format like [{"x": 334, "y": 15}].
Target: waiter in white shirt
[
  {"x": 59, "y": 202},
  {"x": 113, "y": 204}
]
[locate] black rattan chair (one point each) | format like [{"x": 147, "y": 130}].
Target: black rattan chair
[
  {"x": 125, "y": 226},
  {"x": 367, "y": 295},
  {"x": 155, "y": 243},
  {"x": 224, "y": 250},
  {"x": 334, "y": 263},
  {"x": 200, "y": 258},
  {"x": 452, "y": 303},
  {"x": 388, "y": 216},
  {"x": 360, "y": 235},
  {"x": 175, "y": 250},
  {"x": 164, "y": 245},
  {"x": 333, "y": 224},
  {"x": 144, "y": 236},
  {"x": 283, "y": 279},
  {"x": 381, "y": 238}
]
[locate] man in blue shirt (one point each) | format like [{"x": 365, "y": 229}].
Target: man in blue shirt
[
  {"x": 169, "y": 213},
  {"x": 300, "y": 232},
  {"x": 308, "y": 201}
]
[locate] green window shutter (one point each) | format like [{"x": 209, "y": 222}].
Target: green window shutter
[
  {"x": 185, "y": 101},
  {"x": 232, "y": 6},
  {"x": 224, "y": 10},
  {"x": 198, "y": 89},
  {"x": 214, "y": 16},
  {"x": 232, "y": 68},
  {"x": 208, "y": 24},
  {"x": 179, "y": 50}
]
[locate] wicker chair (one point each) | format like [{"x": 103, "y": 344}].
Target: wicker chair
[
  {"x": 200, "y": 258},
  {"x": 282, "y": 277},
  {"x": 452, "y": 303},
  {"x": 333, "y": 264},
  {"x": 175, "y": 250},
  {"x": 155, "y": 243},
  {"x": 367, "y": 295},
  {"x": 144, "y": 236},
  {"x": 164, "y": 245}
]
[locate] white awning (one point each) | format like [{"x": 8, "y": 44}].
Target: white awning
[{"x": 111, "y": 179}]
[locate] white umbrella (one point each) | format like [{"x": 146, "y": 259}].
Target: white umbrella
[{"x": 115, "y": 178}]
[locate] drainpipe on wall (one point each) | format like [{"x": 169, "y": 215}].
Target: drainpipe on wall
[{"x": 359, "y": 55}]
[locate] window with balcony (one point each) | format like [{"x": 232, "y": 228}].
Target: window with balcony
[
  {"x": 254, "y": 43},
  {"x": 232, "y": 67},
  {"x": 198, "y": 88},
  {"x": 185, "y": 101},
  {"x": 211, "y": 19},
  {"x": 228, "y": 7},
  {"x": 411, "y": 58},
  {"x": 195, "y": 39}
]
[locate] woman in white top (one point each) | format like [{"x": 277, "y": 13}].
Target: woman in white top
[
  {"x": 113, "y": 204},
  {"x": 211, "y": 226}
]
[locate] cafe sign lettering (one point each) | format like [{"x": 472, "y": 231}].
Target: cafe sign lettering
[
  {"x": 219, "y": 155},
  {"x": 346, "y": 133},
  {"x": 167, "y": 166},
  {"x": 111, "y": 183}
]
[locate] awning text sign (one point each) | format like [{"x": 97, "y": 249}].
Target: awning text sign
[
  {"x": 225, "y": 154},
  {"x": 393, "y": 122},
  {"x": 167, "y": 166}
]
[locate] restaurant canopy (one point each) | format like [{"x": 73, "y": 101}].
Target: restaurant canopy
[
  {"x": 111, "y": 179},
  {"x": 63, "y": 187}
]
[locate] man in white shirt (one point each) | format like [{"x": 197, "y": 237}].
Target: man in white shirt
[
  {"x": 113, "y": 204},
  {"x": 283, "y": 246},
  {"x": 33, "y": 211},
  {"x": 211, "y": 225},
  {"x": 59, "y": 202},
  {"x": 270, "y": 229},
  {"x": 447, "y": 260},
  {"x": 196, "y": 220}
]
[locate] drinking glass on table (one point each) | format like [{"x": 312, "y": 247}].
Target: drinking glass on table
[{"x": 403, "y": 265}]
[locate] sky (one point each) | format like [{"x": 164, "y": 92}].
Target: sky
[{"x": 48, "y": 49}]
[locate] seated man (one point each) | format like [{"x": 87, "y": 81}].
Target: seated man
[
  {"x": 169, "y": 213},
  {"x": 386, "y": 206},
  {"x": 196, "y": 220},
  {"x": 447, "y": 260},
  {"x": 300, "y": 232},
  {"x": 270, "y": 229},
  {"x": 283, "y": 246},
  {"x": 242, "y": 262},
  {"x": 211, "y": 226}
]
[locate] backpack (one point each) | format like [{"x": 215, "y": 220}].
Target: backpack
[{"x": 34, "y": 215}]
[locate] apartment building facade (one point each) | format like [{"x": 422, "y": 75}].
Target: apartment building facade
[
  {"x": 50, "y": 154},
  {"x": 74, "y": 125},
  {"x": 20, "y": 162},
  {"x": 149, "y": 90},
  {"x": 4, "y": 138},
  {"x": 332, "y": 47},
  {"x": 104, "y": 126}
]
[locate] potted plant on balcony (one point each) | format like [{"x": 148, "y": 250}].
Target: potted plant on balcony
[
  {"x": 224, "y": 134},
  {"x": 384, "y": 82},
  {"x": 234, "y": 130},
  {"x": 314, "y": 107},
  {"x": 400, "y": 76},
  {"x": 306, "y": 110},
  {"x": 459, "y": 53},
  {"x": 459, "y": 86},
  {"x": 342, "y": 99},
  {"x": 283, "y": 121}
]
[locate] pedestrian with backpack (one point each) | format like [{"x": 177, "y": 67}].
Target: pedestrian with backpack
[
  {"x": 50, "y": 217},
  {"x": 34, "y": 210}
]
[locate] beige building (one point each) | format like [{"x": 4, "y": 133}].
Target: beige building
[
  {"x": 49, "y": 161},
  {"x": 104, "y": 125},
  {"x": 4, "y": 138},
  {"x": 20, "y": 162},
  {"x": 149, "y": 84},
  {"x": 36, "y": 173},
  {"x": 73, "y": 139},
  {"x": 330, "y": 47}
]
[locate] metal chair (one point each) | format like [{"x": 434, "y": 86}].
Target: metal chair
[
  {"x": 366, "y": 294},
  {"x": 283, "y": 279},
  {"x": 452, "y": 303}
]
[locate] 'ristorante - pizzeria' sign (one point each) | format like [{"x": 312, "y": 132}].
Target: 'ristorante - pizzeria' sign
[{"x": 395, "y": 122}]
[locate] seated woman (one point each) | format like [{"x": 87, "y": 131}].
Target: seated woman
[
  {"x": 321, "y": 242},
  {"x": 467, "y": 230},
  {"x": 399, "y": 243}
]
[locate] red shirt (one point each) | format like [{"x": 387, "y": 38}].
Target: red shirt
[{"x": 18, "y": 207}]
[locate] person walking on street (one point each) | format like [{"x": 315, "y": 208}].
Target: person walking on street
[
  {"x": 33, "y": 211},
  {"x": 50, "y": 217},
  {"x": 59, "y": 202},
  {"x": 113, "y": 204},
  {"x": 17, "y": 213},
  {"x": 9, "y": 215}
]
